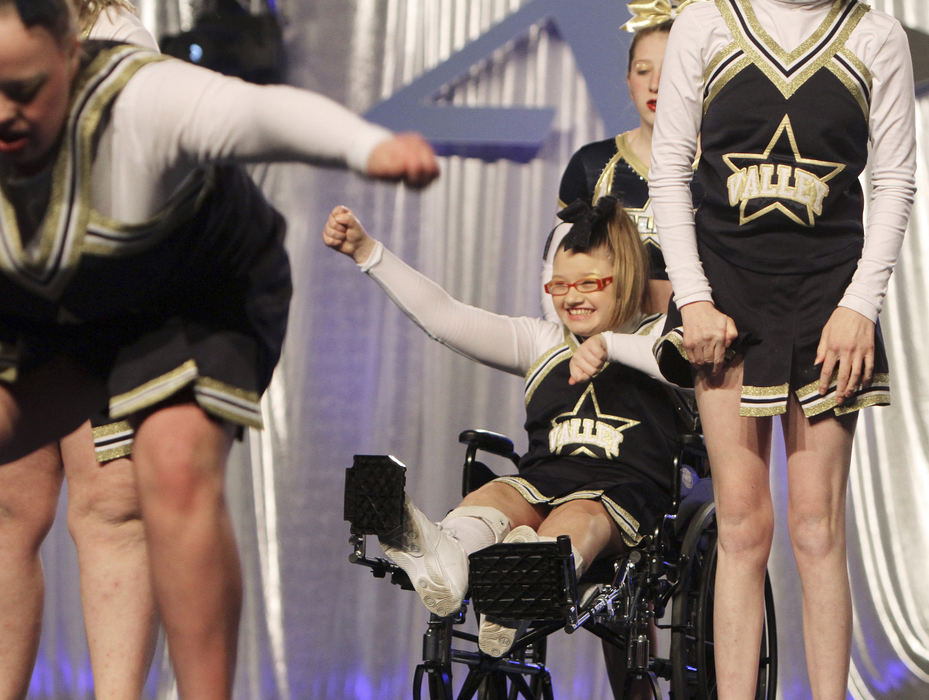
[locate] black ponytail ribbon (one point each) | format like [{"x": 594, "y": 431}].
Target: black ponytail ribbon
[{"x": 586, "y": 220}]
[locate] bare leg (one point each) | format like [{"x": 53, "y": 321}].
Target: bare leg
[
  {"x": 738, "y": 450},
  {"x": 41, "y": 407},
  {"x": 818, "y": 458},
  {"x": 591, "y": 529},
  {"x": 116, "y": 593},
  {"x": 593, "y": 533},
  {"x": 180, "y": 456},
  {"x": 28, "y": 496}
]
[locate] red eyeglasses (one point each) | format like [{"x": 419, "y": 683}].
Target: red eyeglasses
[{"x": 584, "y": 286}]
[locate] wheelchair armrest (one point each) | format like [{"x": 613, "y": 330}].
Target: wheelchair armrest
[
  {"x": 475, "y": 473},
  {"x": 495, "y": 443}
]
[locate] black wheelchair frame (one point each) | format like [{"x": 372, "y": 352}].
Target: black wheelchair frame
[{"x": 673, "y": 566}]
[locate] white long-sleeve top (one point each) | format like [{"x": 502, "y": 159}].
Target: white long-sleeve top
[
  {"x": 509, "y": 343},
  {"x": 880, "y": 43},
  {"x": 173, "y": 116}
]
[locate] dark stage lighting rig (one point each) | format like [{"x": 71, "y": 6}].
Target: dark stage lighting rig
[{"x": 229, "y": 39}]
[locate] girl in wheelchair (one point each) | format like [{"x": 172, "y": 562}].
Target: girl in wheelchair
[{"x": 601, "y": 429}]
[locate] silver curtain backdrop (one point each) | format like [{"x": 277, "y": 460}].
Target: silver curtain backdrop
[{"x": 357, "y": 377}]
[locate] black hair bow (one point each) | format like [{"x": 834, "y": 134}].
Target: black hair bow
[{"x": 586, "y": 220}]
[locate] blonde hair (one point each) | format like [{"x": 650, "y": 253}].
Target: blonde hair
[
  {"x": 630, "y": 269},
  {"x": 88, "y": 11},
  {"x": 619, "y": 238}
]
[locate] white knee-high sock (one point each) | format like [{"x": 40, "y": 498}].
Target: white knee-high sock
[{"x": 580, "y": 565}]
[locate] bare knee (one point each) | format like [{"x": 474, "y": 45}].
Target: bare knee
[
  {"x": 105, "y": 506},
  {"x": 814, "y": 534},
  {"x": 21, "y": 530},
  {"x": 745, "y": 535},
  {"x": 508, "y": 501},
  {"x": 591, "y": 529},
  {"x": 180, "y": 461},
  {"x": 491, "y": 493},
  {"x": 28, "y": 500},
  {"x": 179, "y": 481},
  {"x": 580, "y": 518}
]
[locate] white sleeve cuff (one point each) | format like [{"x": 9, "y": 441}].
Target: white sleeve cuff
[
  {"x": 373, "y": 259},
  {"x": 862, "y": 306},
  {"x": 691, "y": 298},
  {"x": 359, "y": 151}
]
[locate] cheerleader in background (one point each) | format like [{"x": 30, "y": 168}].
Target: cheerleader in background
[{"x": 620, "y": 165}]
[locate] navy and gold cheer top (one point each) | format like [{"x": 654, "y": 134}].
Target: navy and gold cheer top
[
  {"x": 611, "y": 167},
  {"x": 784, "y": 140}
]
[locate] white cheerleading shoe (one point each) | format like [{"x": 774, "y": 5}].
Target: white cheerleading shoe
[
  {"x": 434, "y": 560},
  {"x": 495, "y": 638}
]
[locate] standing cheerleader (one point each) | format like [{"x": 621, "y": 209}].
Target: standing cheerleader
[{"x": 779, "y": 281}]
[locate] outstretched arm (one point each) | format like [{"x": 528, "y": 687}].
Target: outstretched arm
[
  {"x": 508, "y": 343},
  {"x": 173, "y": 113}
]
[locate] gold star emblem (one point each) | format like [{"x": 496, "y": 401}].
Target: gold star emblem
[
  {"x": 644, "y": 220},
  {"x": 586, "y": 430},
  {"x": 795, "y": 186}
]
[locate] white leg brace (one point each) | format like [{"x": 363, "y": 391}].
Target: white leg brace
[{"x": 476, "y": 527}]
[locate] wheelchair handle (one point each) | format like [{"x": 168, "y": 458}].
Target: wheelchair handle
[{"x": 495, "y": 443}]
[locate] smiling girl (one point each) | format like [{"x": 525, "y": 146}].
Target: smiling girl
[{"x": 599, "y": 461}]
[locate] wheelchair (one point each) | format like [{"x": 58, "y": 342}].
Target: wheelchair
[{"x": 615, "y": 599}]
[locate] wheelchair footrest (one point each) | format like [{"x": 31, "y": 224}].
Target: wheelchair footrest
[
  {"x": 524, "y": 580},
  {"x": 374, "y": 486}
]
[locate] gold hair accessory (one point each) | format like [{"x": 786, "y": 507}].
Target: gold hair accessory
[{"x": 651, "y": 13}]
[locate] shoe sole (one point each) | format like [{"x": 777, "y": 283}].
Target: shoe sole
[
  {"x": 496, "y": 638},
  {"x": 437, "y": 599}
]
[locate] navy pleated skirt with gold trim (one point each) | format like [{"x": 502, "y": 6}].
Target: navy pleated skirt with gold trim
[
  {"x": 634, "y": 503},
  {"x": 779, "y": 318},
  {"x": 199, "y": 313}
]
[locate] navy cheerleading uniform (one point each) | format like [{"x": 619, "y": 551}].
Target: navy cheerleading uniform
[
  {"x": 611, "y": 167},
  {"x": 141, "y": 253},
  {"x": 778, "y": 241},
  {"x": 611, "y": 439}
]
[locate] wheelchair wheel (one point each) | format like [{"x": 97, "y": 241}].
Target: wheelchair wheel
[{"x": 693, "y": 667}]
